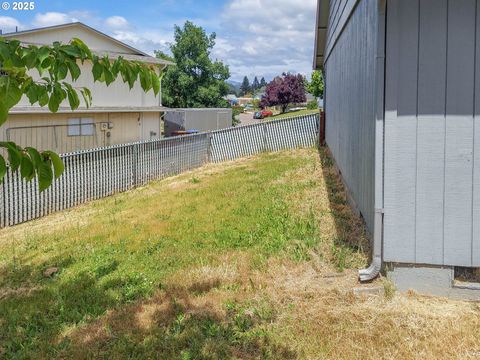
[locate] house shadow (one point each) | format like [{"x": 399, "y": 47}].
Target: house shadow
[{"x": 351, "y": 245}]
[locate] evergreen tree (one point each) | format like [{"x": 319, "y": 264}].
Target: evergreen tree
[
  {"x": 263, "y": 82},
  {"x": 255, "y": 84},
  {"x": 245, "y": 87}
]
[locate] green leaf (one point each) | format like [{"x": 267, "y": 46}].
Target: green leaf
[
  {"x": 34, "y": 156},
  {"x": 27, "y": 171},
  {"x": 10, "y": 92},
  {"x": 87, "y": 96},
  {"x": 107, "y": 75},
  {"x": 57, "y": 163},
  {"x": 3, "y": 112},
  {"x": 3, "y": 168},
  {"x": 71, "y": 51},
  {"x": 30, "y": 58},
  {"x": 97, "y": 71},
  {"x": 72, "y": 95},
  {"x": 32, "y": 93},
  {"x": 155, "y": 84},
  {"x": 45, "y": 175},
  {"x": 42, "y": 96},
  {"x": 14, "y": 155},
  {"x": 62, "y": 71},
  {"x": 145, "y": 79},
  {"x": 74, "y": 70},
  {"x": 53, "y": 103}
]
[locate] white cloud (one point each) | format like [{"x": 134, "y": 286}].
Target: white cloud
[
  {"x": 117, "y": 22},
  {"x": 52, "y": 18},
  {"x": 9, "y": 24},
  {"x": 272, "y": 36}
]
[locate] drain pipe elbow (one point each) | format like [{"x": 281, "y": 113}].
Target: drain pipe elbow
[{"x": 373, "y": 270}]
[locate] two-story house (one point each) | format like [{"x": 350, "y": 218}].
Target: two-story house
[{"x": 117, "y": 114}]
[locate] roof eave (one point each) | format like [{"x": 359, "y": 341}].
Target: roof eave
[{"x": 321, "y": 27}]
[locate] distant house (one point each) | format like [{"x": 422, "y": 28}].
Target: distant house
[
  {"x": 402, "y": 102},
  {"x": 117, "y": 115}
]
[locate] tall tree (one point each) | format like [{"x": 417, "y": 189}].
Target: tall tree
[
  {"x": 315, "y": 86},
  {"x": 263, "y": 82},
  {"x": 196, "y": 80},
  {"x": 245, "y": 87},
  {"x": 284, "y": 90},
  {"x": 162, "y": 55},
  {"x": 56, "y": 65},
  {"x": 255, "y": 84}
]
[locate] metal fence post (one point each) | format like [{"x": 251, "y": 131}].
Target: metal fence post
[
  {"x": 209, "y": 147},
  {"x": 135, "y": 165},
  {"x": 264, "y": 132}
]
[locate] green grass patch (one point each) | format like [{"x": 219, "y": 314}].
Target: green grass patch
[
  {"x": 293, "y": 113},
  {"x": 117, "y": 250}
]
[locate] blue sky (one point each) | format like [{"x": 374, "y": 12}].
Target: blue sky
[{"x": 254, "y": 37}]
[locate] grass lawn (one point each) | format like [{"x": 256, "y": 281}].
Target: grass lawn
[
  {"x": 254, "y": 258},
  {"x": 293, "y": 113}
]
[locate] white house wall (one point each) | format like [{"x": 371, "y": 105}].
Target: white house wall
[
  {"x": 432, "y": 133},
  {"x": 117, "y": 94}
]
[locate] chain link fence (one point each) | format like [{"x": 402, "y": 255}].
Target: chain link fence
[{"x": 97, "y": 173}]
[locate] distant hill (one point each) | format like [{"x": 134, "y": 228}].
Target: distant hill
[{"x": 234, "y": 86}]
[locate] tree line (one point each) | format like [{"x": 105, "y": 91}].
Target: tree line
[{"x": 247, "y": 88}]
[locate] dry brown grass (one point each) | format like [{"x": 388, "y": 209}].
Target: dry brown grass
[{"x": 294, "y": 308}]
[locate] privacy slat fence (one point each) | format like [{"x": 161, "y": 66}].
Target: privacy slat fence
[{"x": 97, "y": 173}]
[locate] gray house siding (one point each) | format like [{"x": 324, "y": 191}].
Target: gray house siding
[
  {"x": 432, "y": 134},
  {"x": 350, "y": 97}
]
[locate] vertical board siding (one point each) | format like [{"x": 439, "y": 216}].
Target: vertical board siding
[
  {"x": 459, "y": 131},
  {"x": 400, "y": 149},
  {"x": 350, "y": 104},
  {"x": 97, "y": 173},
  {"x": 476, "y": 149},
  {"x": 432, "y": 60},
  {"x": 432, "y": 210}
]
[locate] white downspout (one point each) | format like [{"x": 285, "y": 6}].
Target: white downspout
[{"x": 373, "y": 270}]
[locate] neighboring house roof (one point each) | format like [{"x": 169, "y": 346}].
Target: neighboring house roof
[
  {"x": 99, "y": 42},
  {"x": 321, "y": 27}
]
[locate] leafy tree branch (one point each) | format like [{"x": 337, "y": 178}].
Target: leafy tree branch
[{"x": 57, "y": 66}]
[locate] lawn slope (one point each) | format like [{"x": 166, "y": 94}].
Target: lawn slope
[{"x": 254, "y": 258}]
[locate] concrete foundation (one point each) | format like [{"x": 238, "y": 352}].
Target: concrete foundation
[{"x": 431, "y": 280}]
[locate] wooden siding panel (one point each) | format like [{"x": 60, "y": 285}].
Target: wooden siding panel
[
  {"x": 459, "y": 132},
  {"x": 400, "y": 131}
]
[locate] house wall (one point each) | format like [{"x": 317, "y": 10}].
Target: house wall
[
  {"x": 53, "y": 132},
  {"x": 432, "y": 133},
  {"x": 117, "y": 94},
  {"x": 349, "y": 98}
]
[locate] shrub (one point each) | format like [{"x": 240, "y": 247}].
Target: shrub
[{"x": 312, "y": 105}]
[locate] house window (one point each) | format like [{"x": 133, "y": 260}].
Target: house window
[{"x": 81, "y": 127}]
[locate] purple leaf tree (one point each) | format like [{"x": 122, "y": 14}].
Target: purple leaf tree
[{"x": 284, "y": 90}]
